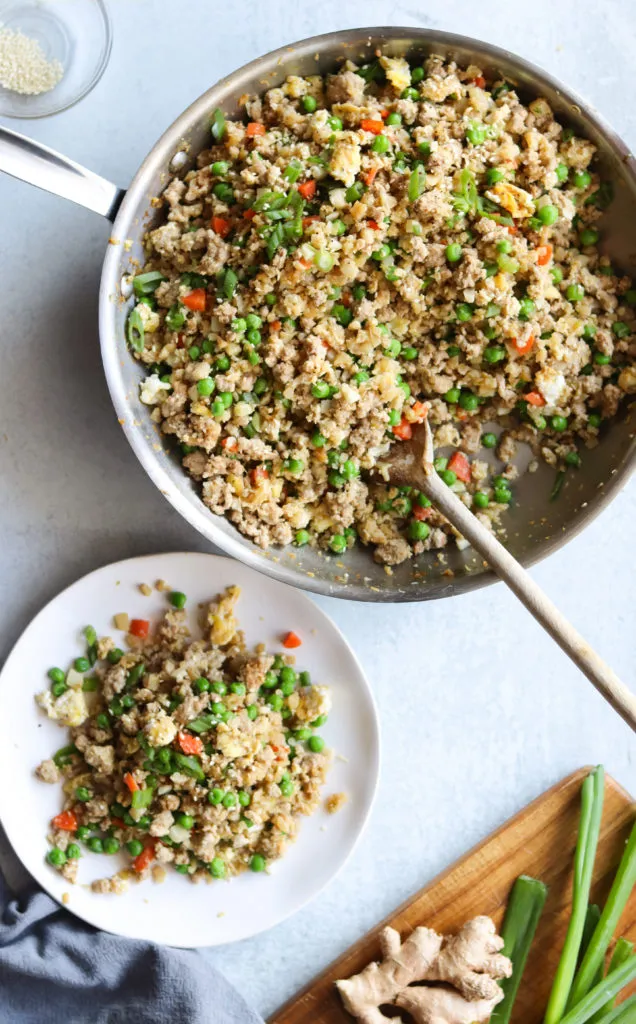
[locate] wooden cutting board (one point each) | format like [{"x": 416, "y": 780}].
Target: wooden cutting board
[{"x": 538, "y": 841}]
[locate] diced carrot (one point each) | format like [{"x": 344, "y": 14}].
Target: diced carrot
[
  {"x": 404, "y": 430},
  {"x": 130, "y": 782},
  {"x": 480, "y": 82},
  {"x": 291, "y": 640},
  {"x": 249, "y": 214},
  {"x": 384, "y": 114},
  {"x": 276, "y": 325},
  {"x": 145, "y": 858},
  {"x": 544, "y": 255},
  {"x": 513, "y": 229},
  {"x": 222, "y": 226},
  {"x": 309, "y": 220},
  {"x": 373, "y": 224},
  {"x": 305, "y": 263},
  {"x": 139, "y": 628},
  {"x": 460, "y": 466},
  {"x": 534, "y": 398},
  {"x": 421, "y": 513},
  {"x": 254, "y": 128},
  {"x": 119, "y": 822},
  {"x": 229, "y": 443},
  {"x": 523, "y": 347},
  {"x": 189, "y": 744},
  {"x": 258, "y": 474},
  {"x": 369, "y": 125},
  {"x": 369, "y": 177},
  {"x": 307, "y": 188},
  {"x": 66, "y": 821},
  {"x": 195, "y": 300},
  {"x": 419, "y": 412}
]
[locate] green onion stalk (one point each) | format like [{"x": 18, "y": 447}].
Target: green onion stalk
[
  {"x": 520, "y": 924},
  {"x": 589, "y": 827},
  {"x": 597, "y": 997}
]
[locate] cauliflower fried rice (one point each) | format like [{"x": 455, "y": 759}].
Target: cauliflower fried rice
[
  {"x": 361, "y": 246},
  {"x": 187, "y": 752}
]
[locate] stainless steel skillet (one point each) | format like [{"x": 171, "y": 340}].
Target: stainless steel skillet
[{"x": 536, "y": 526}]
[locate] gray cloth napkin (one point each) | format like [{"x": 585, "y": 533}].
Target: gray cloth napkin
[{"x": 55, "y": 968}]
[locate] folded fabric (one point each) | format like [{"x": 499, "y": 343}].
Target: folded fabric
[{"x": 55, "y": 968}]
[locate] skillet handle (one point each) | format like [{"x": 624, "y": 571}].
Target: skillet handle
[{"x": 38, "y": 165}]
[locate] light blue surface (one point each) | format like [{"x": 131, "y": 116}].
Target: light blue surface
[{"x": 480, "y": 712}]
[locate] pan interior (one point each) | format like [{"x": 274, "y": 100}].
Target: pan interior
[{"x": 535, "y": 525}]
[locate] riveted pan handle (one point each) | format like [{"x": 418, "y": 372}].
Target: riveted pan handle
[{"x": 38, "y": 165}]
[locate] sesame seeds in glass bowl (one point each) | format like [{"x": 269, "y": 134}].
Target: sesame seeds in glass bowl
[{"x": 52, "y": 53}]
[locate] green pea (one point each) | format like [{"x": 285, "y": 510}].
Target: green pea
[
  {"x": 594, "y": 420},
  {"x": 539, "y": 421},
  {"x": 244, "y": 798},
  {"x": 572, "y": 459},
  {"x": 468, "y": 401},
  {"x": 230, "y": 800},
  {"x": 220, "y": 167},
  {"x": 177, "y": 599},
  {"x": 205, "y": 387},
  {"x": 489, "y": 440},
  {"x": 82, "y": 832},
  {"x": 134, "y": 847},
  {"x": 83, "y": 794},
  {"x": 320, "y": 389},
  {"x": 361, "y": 377},
  {"x": 581, "y": 179},
  {"x": 417, "y": 74},
  {"x": 574, "y": 292},
  {"x": 257, "y": 863},
  {"x": 453, "y": 252},
  {"x": 490, "y": 268},
  {"x": 335, "y": 123},
  {"x": 338, "y": 227},
  {"x": 418, "y": 530},
  {"x": 380, "y": 144},
  {"x": 218, "y": 686},
  {"x": 559, "y": 423},
  {"x": 215, "y": 797},
  {"x": 309, "y": 104},
  {"x": 494, "y": 354},
  {"x": 381, "y": 253},
  {"x": 548, "y": 214},
  {"x": 589, "y": 236},
  {"x": 503, "y": 495},
  {"x": 111, "y": 845},
  {"x": 222, "y": 364},
  {"x": 286, "y": 786},
  {"x": 217, "y": 868},
  {"x": 56, "y": 675},
  {"x": 556, "y": 274},
  {"x": 464, "y": 312},
  {"x": 275, "y": 701},
  {"x": 201, "y": 685},
  {"x": 480, "y": 499},
  {"x": 95, "y": 845},
  {"x": 56, "y": 857},
  {"x": 194, "y": 352},
  {"x": 185, "y": 820},
  {"x": 316, "y": 744},
  {"x": 452, "y": 396},
  {"x": 145, "y": 821},
  {"x": 349, "y": 469},
  {"x": 394, "y": 118},
  {"x": 294, "y": 466},
  {"x": 409, "y": 354},
  {"x": 409, "y": 94},
  {"x": 630, "y": 297},
  {"x": 448, "y": 476},
  {"x": 58, "y": 689},
  {"x": 288, "y": 674},
  {"x": 601, "y": 359},
  {"x": 128, "y": 701},
  {"x": 302, "y": 734},
  {"x": 301, "y": 538},
  {"x": 338, "y": 543},
  {"x": 81, "y": 665},
  {"x": 183, "y": 869},
  {"x": 252, "y": 712},
  {"x": 620, "y": 329},
  {"x": 505, "y": 245},
  {"x": 562, "y": 172},
  {"x": 526, "y": 308},
  {"x": 476, "y": 134},
  {"x": 73, "y": 851}
]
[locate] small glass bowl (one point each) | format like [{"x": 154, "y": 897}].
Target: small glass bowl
[{"x": 78, "y": 33}]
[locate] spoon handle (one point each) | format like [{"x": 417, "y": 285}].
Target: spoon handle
[{"x": 531, "y": 595}]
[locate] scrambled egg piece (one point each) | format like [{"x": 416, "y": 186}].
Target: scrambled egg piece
[
  {"x": 152, "y": 390},
  {"x": 397, "y": 71},
  {"x": 515, "y": 200},
  {"x": 223, "y": 624},
  {"x": 161, "y": 731},
  {"x": 69, "y": 709},
  {"x": 551, "y": 384},
  {"x": 345, "y": 161},
  {"x": 149, "y": 317}
]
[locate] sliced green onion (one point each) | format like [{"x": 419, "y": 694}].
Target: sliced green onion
[
  {"x": 135, "y": 330},
  {"x": 417, "y": 182},
  {"x": 217, "y": 127},
  {"x": 142, "y": 797},
  {"x": 597, "y": 997},
  {"x": 230, "y": 281},
  {"x": 323, "y": 260},
  {"x": 146, "y": 284}
]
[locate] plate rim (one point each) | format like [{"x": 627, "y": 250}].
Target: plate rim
[{"x": 374, "y": 763}]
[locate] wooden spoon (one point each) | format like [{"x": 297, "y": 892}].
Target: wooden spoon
[{"x": 411, "y": 462}]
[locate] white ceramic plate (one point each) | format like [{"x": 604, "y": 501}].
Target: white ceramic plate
[{"x": 177, "y": 912}]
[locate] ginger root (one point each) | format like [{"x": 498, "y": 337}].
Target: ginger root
[{"x": 460, "y": 973}]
